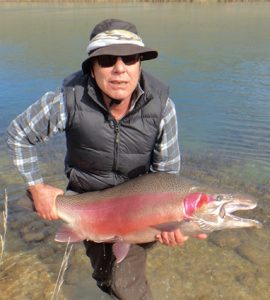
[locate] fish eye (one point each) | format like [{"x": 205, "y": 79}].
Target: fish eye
[{"x": 219, "y": 198}]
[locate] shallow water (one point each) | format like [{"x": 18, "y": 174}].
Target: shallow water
[
  {"x": 232, "y": 264},
  {"x": 216, "y": 59}
]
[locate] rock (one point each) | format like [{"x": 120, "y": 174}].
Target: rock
[
  {"x": 225, "y": 239},
  {"x": 246, "y": 279},
  {"x": 20, "y": 220},
  {"x": 34, "y": 236},
  {"x": 260, "y": 257},
  {"x": 34, "y": 226},
  {"x": 35, "y": 231},
  {"x": 45, "y": 252}
]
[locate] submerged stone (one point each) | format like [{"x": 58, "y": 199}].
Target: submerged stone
[
  {"x": 34, "y": 236},
  {"x": 254, "y": 254},
  {"x": 225, "y": 239}
]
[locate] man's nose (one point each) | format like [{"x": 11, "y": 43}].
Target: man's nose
[{"x": 119, "y": 65}]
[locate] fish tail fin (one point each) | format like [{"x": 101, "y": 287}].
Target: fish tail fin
[{"x": 67, "y": 234}]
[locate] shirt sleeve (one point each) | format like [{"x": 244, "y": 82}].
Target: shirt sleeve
[
  {"x": 35, "y": 125},
  {"x": 166, "y": 154}
]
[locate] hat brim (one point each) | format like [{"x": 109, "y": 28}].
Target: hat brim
[{"x": 120, "y": 50}]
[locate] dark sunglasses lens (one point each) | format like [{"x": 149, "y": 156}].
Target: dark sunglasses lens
[
  {"x": 130, "y": 59},
  {"x": 106, "y": 61}
]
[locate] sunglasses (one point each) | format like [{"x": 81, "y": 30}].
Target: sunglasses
[{"x": 106, "y": 61}]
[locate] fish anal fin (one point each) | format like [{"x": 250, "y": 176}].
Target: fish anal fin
[
  {"x": 67, "y": 234},
  {"x": 120, "y": 250},
  {"x": 170, "y": 226}
]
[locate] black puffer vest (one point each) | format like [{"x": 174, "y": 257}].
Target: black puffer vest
[{"x": 102, "y": 152}]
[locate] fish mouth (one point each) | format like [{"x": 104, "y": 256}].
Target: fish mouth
[{"x": 232, "y": 204}]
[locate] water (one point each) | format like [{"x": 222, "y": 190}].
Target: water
[{"x": 216, "y": 59}]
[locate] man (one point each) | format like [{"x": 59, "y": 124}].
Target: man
[{"x": 119, "y": 123}]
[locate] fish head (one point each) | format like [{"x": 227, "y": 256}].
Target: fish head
[{"x": 215, "y": 212}]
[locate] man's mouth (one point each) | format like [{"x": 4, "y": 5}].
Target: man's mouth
[{"x": 118, "y": 82}]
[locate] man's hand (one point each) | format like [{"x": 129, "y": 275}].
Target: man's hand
[
  {"x": 175, "y": 238},
  {"x": 172, "y": 239},
  {"x": 44, "y": 200}
]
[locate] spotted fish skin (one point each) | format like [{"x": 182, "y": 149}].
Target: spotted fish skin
[
  {"x": 123, "y": 211},
  {"x": 139, "y": 209}
]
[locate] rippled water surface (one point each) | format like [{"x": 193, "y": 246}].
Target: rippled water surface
[{"x": 216, "y": 59}]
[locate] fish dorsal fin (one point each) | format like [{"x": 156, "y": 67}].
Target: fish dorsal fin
[
  {"x": 120, "y": 250},
  {"x": 66, "y": 233}
]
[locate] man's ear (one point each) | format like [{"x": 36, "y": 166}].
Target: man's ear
[
  {"x": 92, "y": 69},
  {"x": 92, "y": 72}
]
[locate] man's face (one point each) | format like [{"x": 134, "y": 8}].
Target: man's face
[{"x": 117, "y": 77}]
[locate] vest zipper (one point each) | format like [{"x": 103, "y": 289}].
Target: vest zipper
[{"x": 116, "y": 144}]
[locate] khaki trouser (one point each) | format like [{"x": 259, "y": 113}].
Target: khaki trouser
[{"x": 124, "y": 281}]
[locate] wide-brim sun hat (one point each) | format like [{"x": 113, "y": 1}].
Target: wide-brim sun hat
[{"x": 118, "y": 38}]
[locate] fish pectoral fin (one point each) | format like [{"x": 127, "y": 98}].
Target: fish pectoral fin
[
  {"x": 170, "y": 226},
  {"x": 120, "y": 250},
  {"x": 67, "y": 234}
]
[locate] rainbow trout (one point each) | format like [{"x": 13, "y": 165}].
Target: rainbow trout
[{"x": 137, "y": 210}]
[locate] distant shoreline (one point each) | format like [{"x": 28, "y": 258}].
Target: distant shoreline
[{"x": 129, "y": 1}]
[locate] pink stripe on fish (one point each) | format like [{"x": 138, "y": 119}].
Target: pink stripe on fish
[{"x": 122, "y": 215}]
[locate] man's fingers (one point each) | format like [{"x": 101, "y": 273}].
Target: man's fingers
[
  {"x": 179, "y": 237},
  {"x": 202, "y": 236},
  {"x": 174, "y": 238}
]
